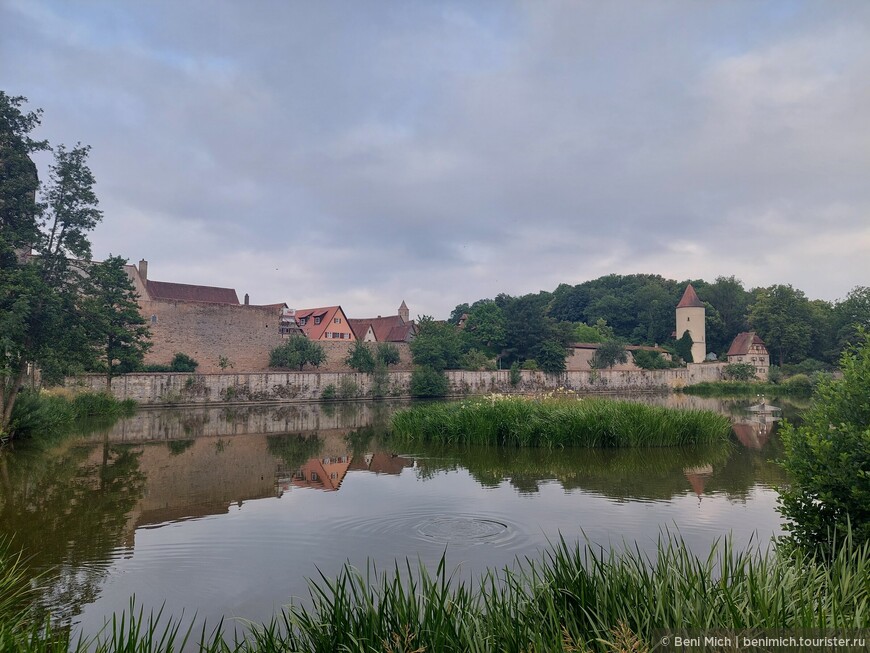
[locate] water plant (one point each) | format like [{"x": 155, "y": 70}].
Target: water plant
[
  {"x": 523, "y": 422},
  {"x": 574, "y": 597}
]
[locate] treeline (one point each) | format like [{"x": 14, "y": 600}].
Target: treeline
[{"x": 639, "y": 309}]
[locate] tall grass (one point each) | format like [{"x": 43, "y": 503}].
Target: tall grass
[
  {"x": 522, "y": 422},
  {"x": 38, "y": 413},
  {"x": 575, "y": 597},
  {"x": 747, "y": 389}
]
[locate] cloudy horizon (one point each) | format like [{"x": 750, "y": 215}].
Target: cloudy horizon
[{"x": 367, "y": 153}]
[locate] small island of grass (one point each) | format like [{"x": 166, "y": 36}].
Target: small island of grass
[{"x": 554, "y": 422}]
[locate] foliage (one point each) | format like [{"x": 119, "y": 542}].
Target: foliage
[
  {"x": 550, "y": 356},
  {"x": 40, "y": 297},
  {"x": 828, "y": 458},
  {"x": 575, "y": 597},
  {"x": 46, "y": 414},
  {"x": 387, "y": 354},
  {"x": 530, "y": 364},
  {"x": 294, "y": 449},
  {"x": 738, "y": 372},
  {"x": 650, "y": 360},
  {"x": 485, "y": 328},
  {"x": 183, "y": 363},
  {"x": 475, "y": 360},
  {"x": 297, "y": 352},
  {"x": 437, "y": 345},
  {"x": 743, "y": 388},
  {"x": 782, "y": 317},
  {"x": 799, "y": 384},
  {"x": 428, "y": 382},
  {"x": 610, "y": 353},
  {"x": 329, "y": 393},
  {"x": 521, "y": 422},
  {"x": 360, "y": 358},
  {"x": 684, "y": 347},
  {"x": 224, "y": 363},
  {"x": 113, "y": 321},
  {"x": 515, "y": 375},
  {"x": 347, "y": 388}
]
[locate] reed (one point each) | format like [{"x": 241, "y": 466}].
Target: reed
[
  {"x": 523, "y": 422},
  {"x": 46, "y": 413},
  {"x": 574, "y": 597},
  {"x": 746, "y": 389}
]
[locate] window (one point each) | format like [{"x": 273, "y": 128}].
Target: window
[
  {"x": 314, "y": 476},
  {"x": 336, "y": 320},
  {"x": 317, "y": 320},
  {"x": 153, "y": 319},
  {"x": 303, "y": 321}
]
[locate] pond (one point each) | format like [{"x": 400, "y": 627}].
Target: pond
[{"x": 227, "y": 512}]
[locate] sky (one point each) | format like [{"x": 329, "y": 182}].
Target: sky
[{"x": 365, "y": 153}]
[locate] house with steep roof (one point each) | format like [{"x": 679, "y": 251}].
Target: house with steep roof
[
  {"x": 393, "y": 328},
  {"x": 325, "y": 323},
  {"x": 748, "y": 348}
]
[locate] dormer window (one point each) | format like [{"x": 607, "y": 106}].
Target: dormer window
[
  {"x": 303, "y": 321},
  {"x": 317, "y": 320}
]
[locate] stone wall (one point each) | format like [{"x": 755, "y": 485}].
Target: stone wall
[
  {"x": 204, "y": 389},
  {"x": 244, "y": 334}
]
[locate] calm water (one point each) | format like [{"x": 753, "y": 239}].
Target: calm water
[{"x": 226, "y": 512}]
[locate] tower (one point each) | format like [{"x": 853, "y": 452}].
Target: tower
[
  {"x": 690, "y": 317},
  {"x": 404, "y": 313}
]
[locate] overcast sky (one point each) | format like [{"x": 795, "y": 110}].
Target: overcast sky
[{"x": 361, "y": 153}]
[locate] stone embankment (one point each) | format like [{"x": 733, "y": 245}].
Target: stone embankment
[{"x": 166, "y": 389}]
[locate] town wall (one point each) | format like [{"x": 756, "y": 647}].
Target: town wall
[{"x": 258, "y": 387}]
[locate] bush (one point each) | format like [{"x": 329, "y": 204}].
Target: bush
[
  {"x": 799, "y": 384},
  {"x": 297, "y": 352},
  {"x": 774, "y": 374},
  {"x": 428, "y": 382},
  {"x": 550, "y": 355},
  {"x": 387, "y": 354},
  {"x": 530, "y": 364},
  {"x": 739, "y": 372},
  {"x": 183, "y": 363},
  {"x": 828, "y": 458},
  {"x": 347, "y": 388},
  {"x": 329, "y": 393},
  {"x": 515, "y": 375},
  {"x": 475, "y": 360},
  {"x": 650, "y": 360},
  {"x": 360, "y": 358},
  {"x": 610, "y": 353}
]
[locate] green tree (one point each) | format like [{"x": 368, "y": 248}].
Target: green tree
[
  {"x": 438, "y": 345},
  {"x": 782, "y": 316},
  {"x": 550, "y": 355},
  {"x": 485, "y": 327},
  {"x": 113, "y": 321},
  {"x": 851, "y": 314},
  {"x": 731, "y": 301},
  {"x": 650, "y": 360},
  {"x": 739, "y": 372},
  {"x": 828, "y": 457},
  {"x": 360, "y": 358},
  {"x": 183, "y": 363},
  {"x": 387, "y": 354},
  {"x": 610, "y": 353},
  {"x": 298, "y": 351},
  {"x": 40, "y": 316},
  {"x": 684, "y": 347},
  {"x": 428, "y": 382}
]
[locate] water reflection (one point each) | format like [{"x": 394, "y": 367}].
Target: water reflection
[{"x": 172, "y": 503}]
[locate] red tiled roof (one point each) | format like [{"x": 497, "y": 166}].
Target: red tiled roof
[
  {"x": 741, "y": 344},
  {"x": 690, "y": 299},
  {"x": 596, "y": 345},
  {"x": 189, "y": 293},
  {"x": 386, "y": 329}
]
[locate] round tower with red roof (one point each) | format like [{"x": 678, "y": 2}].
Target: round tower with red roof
[{"x": 690, "y": 317}]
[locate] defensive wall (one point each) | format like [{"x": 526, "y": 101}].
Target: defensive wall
[{"x": 259, "y": 387}]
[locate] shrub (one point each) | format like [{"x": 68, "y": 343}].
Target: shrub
[
  {"x": 530, "y": 364},
  {"x": 297, "y": 352},
  {"x": 550, "y": 355},
  {"x": 475, "y": 360},
  {"x": 347, "y": 388},
  {"x": 360, "y": 358},
  {"x": 428, "y": 382},
  {"x": 183, "y": 363},
  {"x": 387, "y": 354},
  {"x": 739, "y": 372},
  {"x": 515, "y": 375},
  {"x": 684, "y": 347},
  {"x": 774, "y": 374},
  {"x": 329, "y": 393},
  {"x": 650, "y": 360},
  {"x": 828, "y": 458},
  {"x": 799, "y": 384}
]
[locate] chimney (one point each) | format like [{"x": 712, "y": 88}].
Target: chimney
[
  {"x": 143, "y": 270},
  {"x": 247, "y": 299}
]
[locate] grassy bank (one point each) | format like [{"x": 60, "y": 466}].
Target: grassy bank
[
  {"x": 52, "y": 413},
  {"x": 522, "y": 422},
  {"x": 573, "y": 598},
  {"x": 749, "y": 389}
]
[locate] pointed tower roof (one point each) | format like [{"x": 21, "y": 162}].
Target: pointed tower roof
[
  {"x": 403, "y": 305},
  {"x": 690, "y": 299}
]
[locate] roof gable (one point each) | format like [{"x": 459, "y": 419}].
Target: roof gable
[
  {"x": 743, "y": 341},
  {"x": 310, "y": 315},
  {"x": 690, "y": 299}
]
